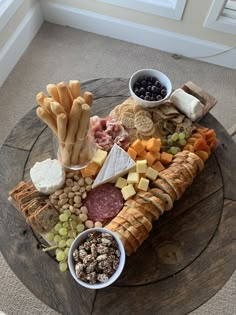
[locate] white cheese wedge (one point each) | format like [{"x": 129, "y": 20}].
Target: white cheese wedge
[
  {"x": 48, "y": 176},
  {"x": 117, "y": 164}
]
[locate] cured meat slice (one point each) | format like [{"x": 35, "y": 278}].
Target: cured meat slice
[{"x": 103, "y": 202}]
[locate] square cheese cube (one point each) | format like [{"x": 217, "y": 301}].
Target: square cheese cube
[
  {"x": 121, "y": 182},
  {"x": 151, "y": 173},
  {"x": 143, "y": 184},
  {"x": 128, "y": 191},
  {"x": 133, "y": 178},
  {"x": 141, "y": 166},
  {"x": 99, "y": 157}
]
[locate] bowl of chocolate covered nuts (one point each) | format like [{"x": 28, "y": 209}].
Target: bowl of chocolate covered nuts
[
  {"x": 96, "y": 258},
  {"x": 150, "y": 87}
]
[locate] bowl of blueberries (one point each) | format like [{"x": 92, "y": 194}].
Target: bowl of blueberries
[{"x": 150, "y": 87}]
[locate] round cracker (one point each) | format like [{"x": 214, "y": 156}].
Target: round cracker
[
  {"x": 127, "y": 120},
  {"x": 143, "y": 123}
]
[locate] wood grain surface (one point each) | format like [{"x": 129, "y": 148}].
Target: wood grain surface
[{"x": 188, "y": 257}]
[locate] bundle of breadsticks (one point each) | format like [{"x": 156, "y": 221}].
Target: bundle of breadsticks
[{"x": 67, "y": 113}]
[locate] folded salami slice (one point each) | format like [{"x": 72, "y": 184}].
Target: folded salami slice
[{"x": 103, "y": 202}]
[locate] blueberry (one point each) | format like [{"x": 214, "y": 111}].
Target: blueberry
[
  {"x": 144, "y": 83},
  {"x": 148, "y": 94},
  {"x": 142, "y": 91},
  {"x": 163, "y": 92},
  {"x": 159, "y": 97},
  {"x": 137, "y": 92},
  {"x": 142, "y": 97},
  {"x": 158, "y": 91},
  {"x": 149, "y": 83},
  {"x": 137, "y": 85},
  {"x": 154, "y": 89},
  {"x": 152, "y": 99},
  {"x": 154, "y": 95},
  {"x": 149, "y": 88},
  {"x": 163, "y": 87},
  {"x": 153, "y": 80},
  {"x": 157, "y": 84},
  {"x": 147, "y": 98}
]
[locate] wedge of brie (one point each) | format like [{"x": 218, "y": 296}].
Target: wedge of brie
[
  {"x": 48, "y": 176},
  {"x": 117, "y": 164}
]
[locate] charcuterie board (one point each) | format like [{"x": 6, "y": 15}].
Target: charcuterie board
[{"x": 184, "y": 247}]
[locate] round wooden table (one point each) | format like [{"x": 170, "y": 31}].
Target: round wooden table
[{"x": 188, "y": 257}]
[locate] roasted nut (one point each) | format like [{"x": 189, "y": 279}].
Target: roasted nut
[
  {"x": 58, "y": 192},
  {"x": 88, "y": 180},
  {"x": 69, "y": 175},
  {"x": 71, "y": 195},
  {"x": 67, "y": 189},
  {"x": 76, "y": 188},
  {"x": 84, "y": 195},
  {"x": 88, "y": 223},
  {"x": 81, "y": 182},
  {"x": 69, "y": 182},
  {"x": 63, "y": 196},
  {"x": 77, "y": 199},
  {"x": 62, "y": 202},
  {"x": 83, "y": 217},
  {"x": 88, "y": 188},
  {"x": 84, "y": 209}
]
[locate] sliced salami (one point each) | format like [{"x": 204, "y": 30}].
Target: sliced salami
[{"x": 103, "y": 202}]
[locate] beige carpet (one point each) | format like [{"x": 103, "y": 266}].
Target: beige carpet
[{"x": 59, "y": 54}]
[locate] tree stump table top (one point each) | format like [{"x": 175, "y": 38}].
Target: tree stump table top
[{"x": 188, "y": 257}]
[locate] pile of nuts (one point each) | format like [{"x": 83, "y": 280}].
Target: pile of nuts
[
  {"x": 72, "y": 195},
  {"x": 97, "y": 258}
]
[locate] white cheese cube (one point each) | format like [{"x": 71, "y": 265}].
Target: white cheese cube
[
  {"x": 99, "y": 157},
  {"x": 141, "y": 166},
  {"x": 151, "y": 173},
  {"x": 143, "y": 184},
  {"x": 128, "y": 191},
  {"x": 133, "y": 178},
  {"x": 121, "y": 182}
]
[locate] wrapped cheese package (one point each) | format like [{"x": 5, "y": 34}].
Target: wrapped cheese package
[{"x": 187, "y": 104}]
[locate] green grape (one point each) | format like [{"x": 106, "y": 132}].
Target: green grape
[
  {"x": 169, "y": 137},
  {"x": 62, "y": 243},
  {"x": 182, "y": 141},
  {"x": 175, "y": 136},
  {"x": 73, "y": 224},
  {"x": 71, "y": 234},
  {"x": 74, "y": 217},
  {"x": 50, "y": 236},
  {"x": 57, "y": 251},
  {"x": 60, "y": 255},
  {"x": 182, "y": 136},
  {"x": 63, "y": 217},
  {"x": 169, "y": 141},
  {"x": 65, "y": 224},
  {"x": 80, "y": 227},
  {"x": 173, "y": 150},
  {"x": 57, "y": 238},
  {"x": 66, "y": 251},
  {"x": 178, "y": 149},
  {"x": 164, "y": 142},
  {"x": 57, "y": 227},
  {"x": 63, "y": 231},
  {"x": 63, "y": 266},
  {"x": 67, "y": 212},
  {"x": 69, "y": 242}
]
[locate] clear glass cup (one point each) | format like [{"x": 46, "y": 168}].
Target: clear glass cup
[{"x": 76, "y": 155}]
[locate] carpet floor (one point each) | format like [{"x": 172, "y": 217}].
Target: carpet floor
[{"x": 59, "y": 54}]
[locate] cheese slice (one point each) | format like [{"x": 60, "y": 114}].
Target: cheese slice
[{"x": 117, "y": 164}]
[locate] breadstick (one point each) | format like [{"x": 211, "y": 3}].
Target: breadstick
[
  {"x": 40, "y": 98},
  {"x": 81, "y": 132},
  {"x": 65, "y": 96},
  {"x": 73, "y": 122},
  {"x": 47, "y": 118},
  {"x": 52, "y": 90},
  {"x": 47, "y": 106},
  {"x": 74, "y": 86},
  {"x": 61, "y": 127},
  {"x": 88, "y": 97},
  {"x": 57, "y": 109}
]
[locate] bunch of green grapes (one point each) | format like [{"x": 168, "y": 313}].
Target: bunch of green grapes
[
  {"x": 174, "y": 143},
  {"x": 63, "y": 235}
]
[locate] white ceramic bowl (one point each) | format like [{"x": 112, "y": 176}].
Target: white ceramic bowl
[
  {"x": 160, "y": 76},
  {"x": 80, "y": 238}
]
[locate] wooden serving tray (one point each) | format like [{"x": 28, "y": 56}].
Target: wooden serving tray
[{"x": 187, "y": 258}]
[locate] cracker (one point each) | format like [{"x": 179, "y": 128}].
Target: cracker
[
  {"x": 138, "y": 108},
  {"x": 127, "y": 120},
  {"x": 143, "y": 123},
  {"x": 143, "y": 113},
  {"x": 132, "y": 135}
]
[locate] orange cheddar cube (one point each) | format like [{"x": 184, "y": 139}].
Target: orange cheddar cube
[
  {"x": 151, "y": 158},
  {"x": 158, "y": 166},
  {"x": 166, "y": 158},
  {"x": 85, "y": 172},
  {"x": 144, "y": 143},
  {"x": 132, "y": 153},
  {"x": 93, "y": 167},
  {"x": 143, "y": 154},
  {"x": 154, "y": 145},
  {"x": 137, "y": 146}
]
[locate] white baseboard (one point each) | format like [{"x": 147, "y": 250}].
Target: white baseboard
[
  {"x": 19, "y": 41},
  {"x": 139, "y": 34}
]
